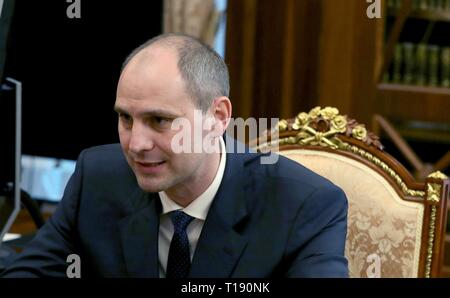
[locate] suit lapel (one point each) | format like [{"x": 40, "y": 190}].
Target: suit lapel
[
  {"x": 220, "y": 245},
  {"x": 218, "y": 250},
  {"x": 139, "y": 235}
]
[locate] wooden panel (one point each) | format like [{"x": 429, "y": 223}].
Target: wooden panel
[
  {"x": 272, "y": 53},
  {"x": 294, "y": 55},
  {"x": 268, "y": 65},
  {"x": 241, "y": 18},
  {"x": 348, "y": 49},
  {"x": 336, "y": 56},
  {"x": 305, "y": 77}
]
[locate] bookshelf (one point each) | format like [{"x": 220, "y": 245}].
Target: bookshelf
[
  {"x": 413, "y": 81},
  {"x": 436, "y": 16},
  {"x": 410, "y": 102}
]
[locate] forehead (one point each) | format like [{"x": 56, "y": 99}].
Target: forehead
[
  {"x": 151, "y": 69},
  {"x": 152, "y": 77}
]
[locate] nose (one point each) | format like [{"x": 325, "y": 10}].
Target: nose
[{"x": 141, "y": 139}]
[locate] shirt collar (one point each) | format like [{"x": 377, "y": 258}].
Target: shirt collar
[{"x": 200, "y": 206}]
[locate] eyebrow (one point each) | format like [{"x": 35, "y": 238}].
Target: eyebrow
[{"x": 150, "y": 113}]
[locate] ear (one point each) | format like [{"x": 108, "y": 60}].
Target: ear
[{"x": 221, "y": 111}]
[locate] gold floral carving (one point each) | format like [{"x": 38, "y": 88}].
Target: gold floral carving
[
  {"x": 429, "y": 258},
  {"x": 438, "y": 175},
  {"x": 322, "y": 126},
  {"x": 434, "y": 192},
  {"x": 434, "y": 196}
]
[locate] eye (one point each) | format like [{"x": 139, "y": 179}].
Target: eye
[
  {"x": 161, "y": 121},
  {"x": 125, "y": 119}
]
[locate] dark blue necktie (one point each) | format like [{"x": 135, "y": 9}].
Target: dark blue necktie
[{"x": 179, "y": 261}]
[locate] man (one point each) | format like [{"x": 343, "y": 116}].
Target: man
[{"x": 148, "y": 209}]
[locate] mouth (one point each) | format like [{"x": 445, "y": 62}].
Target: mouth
[
  {"x": 149, "y": 167},
  {"x": 150, "y": 164}
]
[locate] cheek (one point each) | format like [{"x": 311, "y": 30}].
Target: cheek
[
  {"x": 124, "y": 138},
  {"x": 164, "y": 142},
  {"x": 185, "y": 162}
]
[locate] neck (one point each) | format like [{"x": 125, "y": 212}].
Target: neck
[{"x": 186, "y": 192}]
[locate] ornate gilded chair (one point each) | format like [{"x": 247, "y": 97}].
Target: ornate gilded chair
[{"x": 396, "y": 226}]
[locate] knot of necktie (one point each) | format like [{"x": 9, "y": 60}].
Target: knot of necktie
[{"x": 180, "y": 220}]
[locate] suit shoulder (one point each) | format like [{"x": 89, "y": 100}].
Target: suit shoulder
[
  {"x": 100, "y": 149},
  {"x": 104, "y": 160},
  {"x": 104, "y": 153}
]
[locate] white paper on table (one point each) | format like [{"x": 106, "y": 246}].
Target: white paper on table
[{"x": 10, "y": 236}]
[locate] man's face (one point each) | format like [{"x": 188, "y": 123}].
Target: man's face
[{"x": 150, "y": 95}]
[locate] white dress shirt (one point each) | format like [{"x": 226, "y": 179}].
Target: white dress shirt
[{"x": 198, "y": 209}]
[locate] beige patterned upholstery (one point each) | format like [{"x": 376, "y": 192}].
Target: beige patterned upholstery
[
  {"x": 379, "y": 221},
  {"x": 396, "y": 225}
]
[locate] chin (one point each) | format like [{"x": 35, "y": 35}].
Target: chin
[{"x": 151, "y": 186}]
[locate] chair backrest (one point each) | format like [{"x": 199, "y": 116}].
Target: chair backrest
[{"x": 396, "y": 226}]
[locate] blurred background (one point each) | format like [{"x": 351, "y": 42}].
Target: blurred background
[{"x": 285, "y": 56}]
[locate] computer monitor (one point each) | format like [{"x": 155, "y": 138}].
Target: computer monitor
[
  {"x": 6, "y": 14},
  {"x": 10, "y": 153},
  {"x": 70, "y": 67}
]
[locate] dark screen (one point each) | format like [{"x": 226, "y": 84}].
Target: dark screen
[
  {"x": 5, "y": 22},
  {"x": 7, "y": 144},
  {"x": 7, "y": 152},
  {"x": 69, "y": 69}
]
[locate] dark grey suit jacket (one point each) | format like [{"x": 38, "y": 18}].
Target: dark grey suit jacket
[{"x": 279, "y": 220}]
